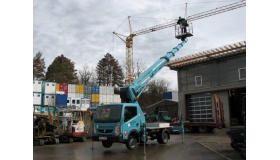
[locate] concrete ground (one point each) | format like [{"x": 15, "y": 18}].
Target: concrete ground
[
  {"x": 218, "y": 142},
  {"x": 196, "y": 146}
]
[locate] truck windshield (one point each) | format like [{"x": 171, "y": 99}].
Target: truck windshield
[{"x": 108, "y": 113}]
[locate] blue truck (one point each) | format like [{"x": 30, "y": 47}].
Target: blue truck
[{"x": 125, "y": 122}]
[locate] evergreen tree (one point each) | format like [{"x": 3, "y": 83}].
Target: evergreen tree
[
  {"x": 38, "y": 67},
  {"x": 62, "y": 70},
  {"x": 109, "y": 72}
]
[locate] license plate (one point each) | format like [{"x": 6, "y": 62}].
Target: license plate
[{"x": 102, "y": 138}]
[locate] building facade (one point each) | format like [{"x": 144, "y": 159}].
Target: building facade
[{"x": 212, "y": 78}]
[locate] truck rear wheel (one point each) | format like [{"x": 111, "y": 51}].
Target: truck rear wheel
[
  {"x": 203, "y": 129},
  {"x": 189, "y": 129},
  {"x": 131, "y": 143},
  {"x": 107, "y": 144},
  {"x": 162, "y": 137}
]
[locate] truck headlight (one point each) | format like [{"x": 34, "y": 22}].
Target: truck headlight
[{"x": 118, "y": 129}]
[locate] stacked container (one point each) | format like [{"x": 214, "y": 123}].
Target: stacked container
[
  {"x": 49, "y": 89},
  {"x": 87, "y": 92},
  {"x": 37, "y": 92},
  {"x": 107, "y": 95},
  {"x": 95, "y": 96}
]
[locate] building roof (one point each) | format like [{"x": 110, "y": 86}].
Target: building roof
[
  {"x": 217, "y": 53},
  {"x": 164, "y": 102}
]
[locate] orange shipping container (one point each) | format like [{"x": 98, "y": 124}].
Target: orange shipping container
[
  {"x": 80, "y": 88},
  {"x": 57, "y": 87},
  {"x": 94, "y": 97}
]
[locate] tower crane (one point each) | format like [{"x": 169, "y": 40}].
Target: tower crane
[{"x": 128, "y": 40}]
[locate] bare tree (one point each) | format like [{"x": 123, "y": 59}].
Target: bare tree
[
  {"x": 140, "y": 67},
  {"x": 86, "y": 73}
]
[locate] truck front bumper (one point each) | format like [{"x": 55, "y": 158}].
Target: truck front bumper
[{"x": 110, "y": 138}]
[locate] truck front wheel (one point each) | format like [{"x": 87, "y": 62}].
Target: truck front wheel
[
  {"x": 162, "y": 137},
  {"x": 131, "y": 143},
  {"x": 107, "y": 144}
]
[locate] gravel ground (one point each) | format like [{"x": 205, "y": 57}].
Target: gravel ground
[{"x": 218, "y": 142}]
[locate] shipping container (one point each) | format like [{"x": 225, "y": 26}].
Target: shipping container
[
  {"x": 87, "y": 89},
  {"x": 167, "y": 95},
  {"x": 61, "y": 100},
  {"x": 71, "y": 88},
  {"x": 59, "y": 92},
  {"x": 173, "y": 95},
  {"x": 37, "y": 86},
  {"x": 57, "y": 87},
  {"x": 78, "y": 103},
  {"x": 102, "y": 98},
  {"x": 87, "y": 96},
  {"x": 80, "y": 88},
  {"x": 49, "y": 87},
  {"x": 37, "y": 98},
  {"x": 49, "y": 99},
  {"x": 109, "y": 90},
  {"x": 102, "y": 90},
  {"x": 94, "y": 104},
  {"x": 117, "y": 98},
  {"x": 63, "y": 87},
  {"x": 76, "y": 95},
  {"x": 109, "y": 98},
  {"x": 95, "y": 89},
  {"x": 85, "y": 104},
  {"x": 95, "y": 98}
]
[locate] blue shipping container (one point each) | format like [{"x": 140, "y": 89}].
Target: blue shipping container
[
  {"x": 167, "y": 95},
  {"x": 94, "y": 89},
  {"x": 61, "y": 100}
]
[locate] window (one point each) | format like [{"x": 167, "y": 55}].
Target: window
[
  {"x": 47, "y": 96},
  {"x": 47, "y": 84},
  {"x": 73, "y": 101},
  {"x": 38, "y": 95},
  {"x": 242, "y": 73},
  {"x": 78, "y": 101},
  {"x": 52, "y": 84},
  {"x": 198, "y": 80},
  {"x": 39, "y": 82},
  {"x": 129, "y": 112}
]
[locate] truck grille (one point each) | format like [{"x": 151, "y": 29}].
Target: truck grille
[{"x": 105, "y": 131}]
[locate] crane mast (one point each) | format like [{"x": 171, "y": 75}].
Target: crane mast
[{"x": 129, "y": 39}]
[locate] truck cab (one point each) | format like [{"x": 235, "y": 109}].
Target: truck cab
[{"x": 120, "y": 122}]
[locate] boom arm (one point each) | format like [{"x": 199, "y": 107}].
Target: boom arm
[{"x": 135, "y": 89}]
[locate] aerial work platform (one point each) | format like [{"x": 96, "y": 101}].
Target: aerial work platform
[{"x": 183, "y": 29}]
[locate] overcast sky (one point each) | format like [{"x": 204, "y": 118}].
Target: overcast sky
[{"x": 82, "y": 30}]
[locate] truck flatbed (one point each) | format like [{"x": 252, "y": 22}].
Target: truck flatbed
[{"x": 157, "y": 125}]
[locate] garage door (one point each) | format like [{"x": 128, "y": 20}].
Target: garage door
[{"x": 200, "y": 106}]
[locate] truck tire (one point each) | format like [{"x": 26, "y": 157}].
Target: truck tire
[
  {"x": 107, "y": 144},
  {"x": 162, "y": 137},
  {"x": 55, "y": 141},
  {"x": 131, "y": 144},
  {"x": 189, "y": 129},
  {"x": 203, "y": 129},
  {"x": 38, "y": 142}
]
